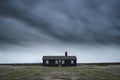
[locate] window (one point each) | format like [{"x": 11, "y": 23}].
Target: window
[
  {"x": 72, "y": 62},
  {"x": 56, "y": 62},
  {"x": 63, "y": 62},
  {"x": 47, "y": 62}
]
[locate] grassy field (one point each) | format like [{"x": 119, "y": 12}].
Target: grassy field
[{"x": 83, "y": 72}]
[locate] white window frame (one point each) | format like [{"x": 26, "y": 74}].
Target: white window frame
[
  {"x": 47, "y": 62},
  {"x": 72, "y": 61},
  {"x": 56, "y": 61},
  {"x": 63, "y": 62}
]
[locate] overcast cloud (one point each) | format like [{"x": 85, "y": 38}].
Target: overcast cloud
[{"x": 55, "y": 22}]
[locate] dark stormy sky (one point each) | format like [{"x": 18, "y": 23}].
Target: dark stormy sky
[{"x": 89, "y": 29}]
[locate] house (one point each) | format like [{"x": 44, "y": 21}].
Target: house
[{"x": 60, "y": 60}]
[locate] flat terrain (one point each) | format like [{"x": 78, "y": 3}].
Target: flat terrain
[{"x": 82, "y": 72}]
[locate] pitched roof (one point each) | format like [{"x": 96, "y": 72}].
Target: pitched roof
[{"x": 59, "y": 57}]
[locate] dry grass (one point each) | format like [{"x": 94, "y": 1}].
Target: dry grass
[{"x": 83, "y": 72}]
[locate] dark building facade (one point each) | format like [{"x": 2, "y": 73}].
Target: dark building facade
[{"x": 60, "y": 60}]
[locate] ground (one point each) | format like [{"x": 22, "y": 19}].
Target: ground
[{"x": 81, "y": 72}]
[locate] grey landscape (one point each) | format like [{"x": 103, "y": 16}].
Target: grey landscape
[
  {"x": 87, "y": 29},
  {"x": 80, "y": 72}
]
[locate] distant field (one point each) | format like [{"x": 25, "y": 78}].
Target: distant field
[{"x": 81, "y": 72}]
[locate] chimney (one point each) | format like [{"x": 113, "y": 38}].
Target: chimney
[{"x": 66, "y": 53}]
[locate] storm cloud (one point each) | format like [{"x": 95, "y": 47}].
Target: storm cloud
[
  {"x": 89, "y": 29},
  {"x": 71, "y": 21}
]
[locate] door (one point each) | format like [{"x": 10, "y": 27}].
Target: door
[{"x": 59, "y": 63}]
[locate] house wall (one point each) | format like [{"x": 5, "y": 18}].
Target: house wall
[{"x": 66, "y": 63}]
